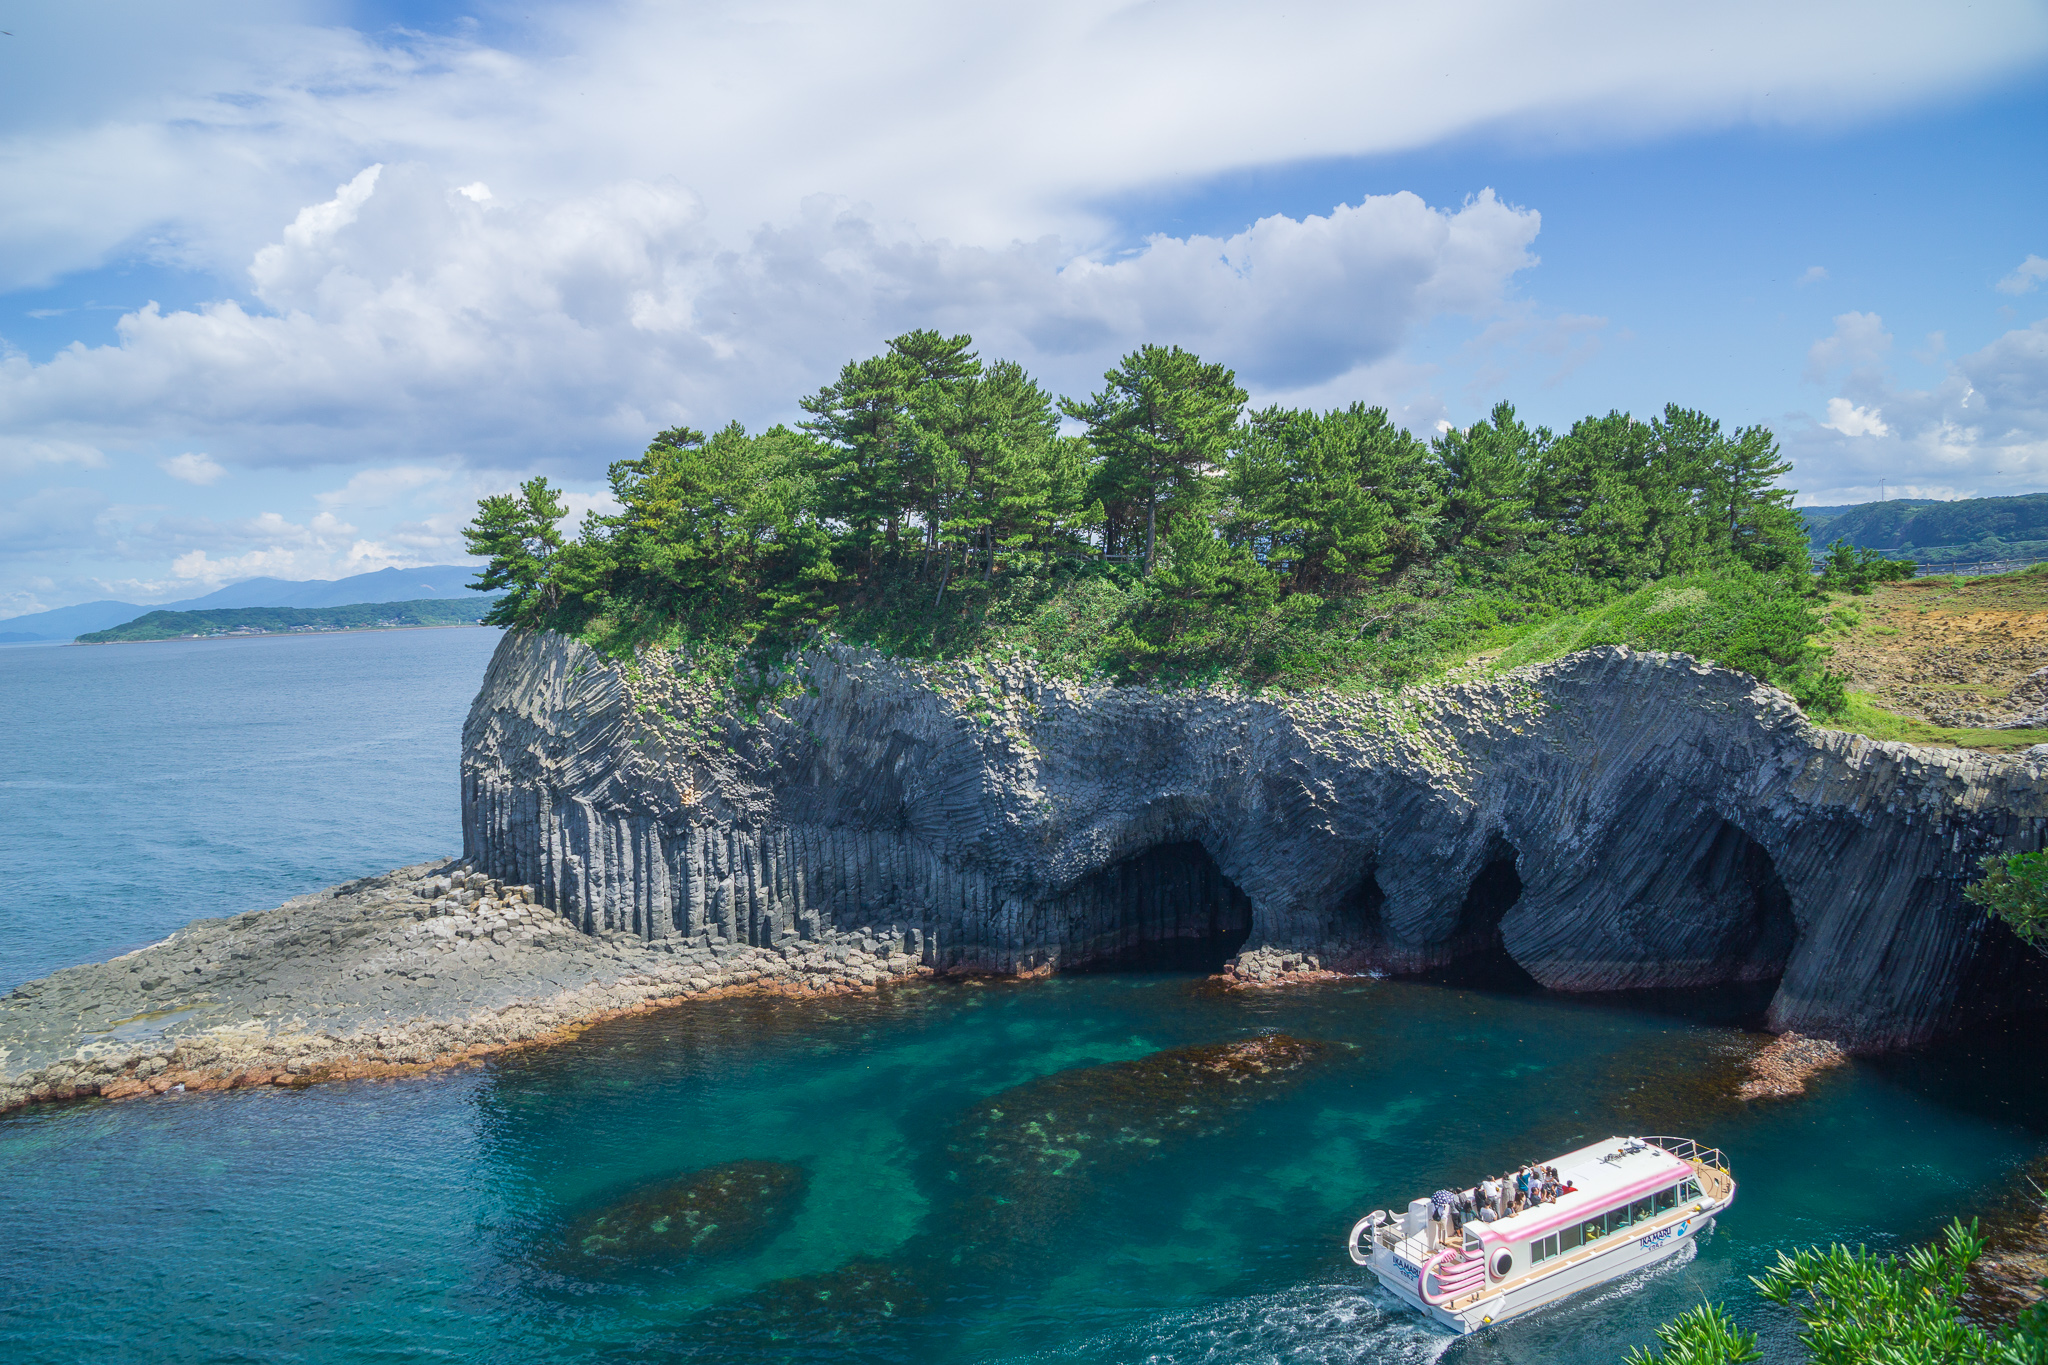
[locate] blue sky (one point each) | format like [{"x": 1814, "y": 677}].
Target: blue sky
[{"x": 285, "y": 287}]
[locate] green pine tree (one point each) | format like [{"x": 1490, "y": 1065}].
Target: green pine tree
[
  {"x": 518, "y": 534},
  {"x": 1160, "y": 429}
]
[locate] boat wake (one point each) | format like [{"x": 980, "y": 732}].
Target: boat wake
[
  {"x": 1322, "y": 1324},
  {"x": 1338, "y": 1324}
]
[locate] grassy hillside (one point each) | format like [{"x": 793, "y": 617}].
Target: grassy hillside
[{"x": 179, "y": 625}]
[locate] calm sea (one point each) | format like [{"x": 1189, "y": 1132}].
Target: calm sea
[
  {"x": 144, "y": 785},
  {"x": 427, "y": 1219}
]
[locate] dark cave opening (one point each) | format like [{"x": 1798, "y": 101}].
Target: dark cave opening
[
  {"x": 1359, "y": 911},
  {"x": 1482, "y": 961},
  {"x": 1736, "y": 872},
  {"x": 1169, "y": 909}
]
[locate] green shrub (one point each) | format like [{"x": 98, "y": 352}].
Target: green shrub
[
  {"x": 2015, "y": 888},
  {"x": 1845, "y": 568},
  {"x": 1859, "y": 1308}
]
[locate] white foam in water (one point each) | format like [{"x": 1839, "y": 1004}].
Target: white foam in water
[
  {"x": 1327, "y": 1324},
  {"x": 1323, "y": 1324}
]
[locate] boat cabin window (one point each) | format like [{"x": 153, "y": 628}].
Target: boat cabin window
[
  {"x": 1571, "y": 1238},
  {"x": 1667, "y": 1199},
  {"x": 1689, "y": 1190},
  {"x": 1593, "y": 1228},
  {"x": 1544, "y": 1248}
]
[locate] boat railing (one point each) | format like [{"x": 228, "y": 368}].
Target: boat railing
[{"x": 1685, "y": 1149}]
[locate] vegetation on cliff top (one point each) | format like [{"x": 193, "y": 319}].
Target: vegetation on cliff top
[{"x": 933, "y": 505}]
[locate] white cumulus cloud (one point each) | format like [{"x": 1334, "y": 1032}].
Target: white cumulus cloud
[
  {"x": 1981, "y": 431},
  {"x": 2026, "y": 278},
  {"x": 1858, "y": 342},
  {"x": 198, "y": 470},
  {"x": 1850, "y": 420},
  {"x": 384, "y": 485},
  {"x": 205, "y": 119},
  {"x": 26, "y": 454},
  {"x": 422, "y": 323}
]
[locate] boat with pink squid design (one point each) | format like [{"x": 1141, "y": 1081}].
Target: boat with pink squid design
[{"x": 1613, "y": 1207}]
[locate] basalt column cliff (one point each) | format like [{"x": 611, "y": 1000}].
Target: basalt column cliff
[{"x": 1614, "y": 821}]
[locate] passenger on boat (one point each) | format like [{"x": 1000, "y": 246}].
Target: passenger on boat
[
  {"x": 1440, "y": 1218},
  {"x": 1492, "y": 1191}
]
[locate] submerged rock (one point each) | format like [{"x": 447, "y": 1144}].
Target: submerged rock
[
  {"x": 1099, "y": 1116},
  {"x": 1017, "y": 1170},
  {"x": 1027, "y": 1160},
  {"x": 721, "y": 1211},
  {"x": 833, "y": 1307},
  {"x": 1614, "y": 821}
]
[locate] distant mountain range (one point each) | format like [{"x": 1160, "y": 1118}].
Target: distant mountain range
[
  {"x": 385, "y": 585},
  {"x": 1937, "y": 532},
  {"x": 1817, "y": 517}
]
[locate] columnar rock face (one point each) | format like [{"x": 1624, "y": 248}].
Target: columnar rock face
[{"x": 1613, "y": 820}]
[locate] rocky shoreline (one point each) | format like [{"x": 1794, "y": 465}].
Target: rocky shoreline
[
  {"x": 422, "y": 968},
  {"x": 436, "y": 966}
]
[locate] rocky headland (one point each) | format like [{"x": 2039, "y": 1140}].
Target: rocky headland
[
  {"x": 635, "y": 835},
  {"x": 1611, "y": 821}
]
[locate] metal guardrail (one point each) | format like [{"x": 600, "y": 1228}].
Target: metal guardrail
[
  {"x": 1685, "y": 1149},
  {"x": 1979, "y": 568},
  {"x": 1976, "y": 568}
]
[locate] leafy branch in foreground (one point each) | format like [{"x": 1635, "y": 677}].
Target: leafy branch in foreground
[
  {"x": 1859, "y": 1308},
  {"x": 2015, "y": 888},
  {"x": 1704, "y": 1336}
]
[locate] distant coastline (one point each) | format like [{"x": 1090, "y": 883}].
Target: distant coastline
[
  {"x": 253, "y": 635},
  {"x": 227, "y": 623}
]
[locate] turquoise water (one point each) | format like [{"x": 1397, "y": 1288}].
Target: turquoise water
[{"x": 427, "y": 1218}]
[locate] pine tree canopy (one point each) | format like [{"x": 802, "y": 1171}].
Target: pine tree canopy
[{"x": 926, "y": 480}]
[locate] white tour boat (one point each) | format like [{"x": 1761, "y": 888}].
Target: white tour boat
[{"x": 1630, "y": 1201}]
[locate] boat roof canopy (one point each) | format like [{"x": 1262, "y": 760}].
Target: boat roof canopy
[{"x": 1605, "y": 1173}]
